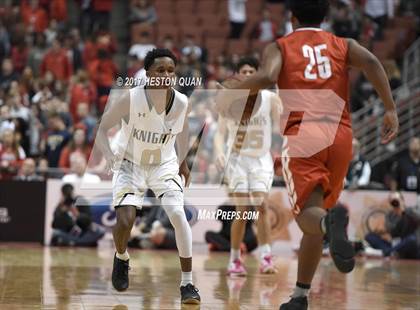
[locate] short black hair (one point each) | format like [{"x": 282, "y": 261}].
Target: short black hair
[
  {"x": 67, "y": 189},
  {"x": 250, "y": 61},
  {"x": 310, "y": 12},
  {"x": 157, "y": 53}
]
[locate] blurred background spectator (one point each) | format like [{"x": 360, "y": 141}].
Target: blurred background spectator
[
  {"x": 28, "y": 171},
  {"x": 358, "y": 175},
  {"x": 142, "y": 12},
  {"x": 220, "y": 241},
  {"x": 402, "y": 234},
  {"x": 406, "y": 170},
  {"x": 59, "y": 60},
  {"x": 78, "y": 173},
  {"x": 72, "y": 222},
  {"x": 237, "y": 17}
]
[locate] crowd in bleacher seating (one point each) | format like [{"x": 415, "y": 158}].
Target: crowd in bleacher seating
[{"x": 60, "y": 59}]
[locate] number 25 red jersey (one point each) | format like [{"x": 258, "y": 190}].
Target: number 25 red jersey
[{"x": 315, "y": 59}]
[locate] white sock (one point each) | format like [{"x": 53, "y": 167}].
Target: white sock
[
  {"x": 300, "y": 291},
  {"x": 186, "y": 278},
  {"x": 234, "y": 254},
  {"x": 264, "y": 250},
  {"x": 123, "y": 256}
]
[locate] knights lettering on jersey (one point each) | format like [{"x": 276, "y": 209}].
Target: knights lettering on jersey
[
  {"x": 149, "y": 138},
  {"x": 252, "y": 137}
]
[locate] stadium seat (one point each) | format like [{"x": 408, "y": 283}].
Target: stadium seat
[
  {"x": 164, "y": 6},
  {"x": 195, "y": 32},
  {"x": 384, "y": 49},
  {"x": 249, "y": 30},
  {"x": 257, "y": 46},
  {"x": 254, "y": 7},
  {"x": 164, "y": 30},
  {"x": 185, "y": 20},
  {"x": 215, "y": 46},
  {"x": 276, "y": 10},
  {"x": 209, "y": 19},
  {"x": 137, "y": 29},
  {"x": 167, "y": 18},
  {"x": 240, "y": 47},
  {"x": 185, "y": 6},
  {"x": 204, "y": 7}
]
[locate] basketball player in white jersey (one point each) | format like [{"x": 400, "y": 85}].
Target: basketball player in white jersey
[
  {"x": 153, "y": 118},
  {"x": 249, "y": 169}
]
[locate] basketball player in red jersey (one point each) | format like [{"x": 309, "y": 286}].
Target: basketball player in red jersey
[{"x": 310, "y": 58}]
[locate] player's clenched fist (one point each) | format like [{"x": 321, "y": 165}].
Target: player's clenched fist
[{"x": 390, "y": 126}]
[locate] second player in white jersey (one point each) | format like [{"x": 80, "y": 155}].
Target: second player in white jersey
[
  {"x": 253, "y": 137},
  {"x": 248, "y": 168},
  {"x": 249, "y": 165}
]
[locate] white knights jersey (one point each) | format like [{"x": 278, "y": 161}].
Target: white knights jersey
[
  {"x": 149, "y": 137},
  {"x": 253, "y": 137}
]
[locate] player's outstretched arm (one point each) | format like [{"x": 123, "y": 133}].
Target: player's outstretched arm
[
  {"x": 112, "y": 117},
  {"x": 268, "y": 73},
  {"x": 360, "y": 58},
  {"x": 276, "y": 110}
]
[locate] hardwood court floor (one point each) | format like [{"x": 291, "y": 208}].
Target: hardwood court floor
[{"x": 33, "y": 277}]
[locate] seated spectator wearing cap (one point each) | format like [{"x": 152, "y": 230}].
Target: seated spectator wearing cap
[
  {"x": 28, "y": 171},
  {"x": 402, "y": 234},
  {"x": 220, "y": 241},
  {"x": 78, "y": 173},
  {"x": 72, "y": 222}
]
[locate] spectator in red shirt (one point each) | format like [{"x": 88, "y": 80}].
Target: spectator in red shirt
[
  {"x": 34, "y": 17},
  {"x": 83, "y": 91},
  {"x": 58, "y": 10},
  {"x": 86, "y": 121},
  {"x": 77, "y": 144},
  {"x": 102, "y": 40},
  {"x": 102, "y": 9},
  {"x": 103, "y": 71},
  {"x": 19, "y": 56},
  {"x": 57, "y": 62}
]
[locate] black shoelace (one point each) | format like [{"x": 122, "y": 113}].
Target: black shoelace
[{"x": 192, "y": 288}]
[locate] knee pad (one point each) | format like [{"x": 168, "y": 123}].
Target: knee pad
[{"x": 173, "y": 204}]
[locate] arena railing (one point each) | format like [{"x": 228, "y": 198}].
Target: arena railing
[{"x": 368, "y": 120}]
